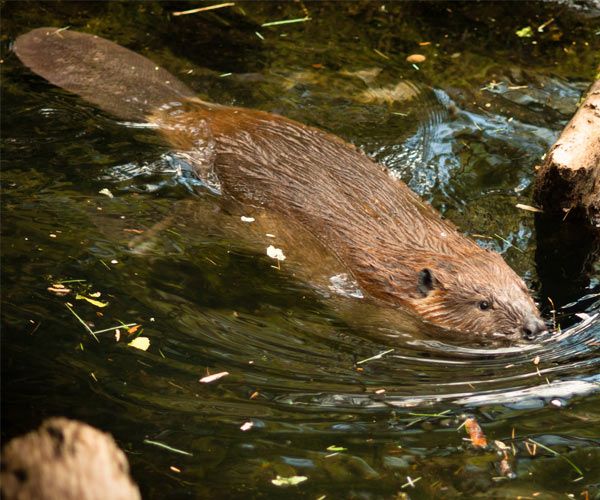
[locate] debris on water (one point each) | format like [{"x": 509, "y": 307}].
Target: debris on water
[
  {"x": 555, "y": 453},
  {"x": 377, "y": 356},
  {"x": 525, "y": 32},
  {"x": 536, "y": 360},
  {"x": 275, "y": 253},
  {"x": 211, "y": 378},
  {"x": 85, "y": 325},
  {"x": 505, "y": 468},
  {"x": 94, "y": 302},
  {"x": 175, "y": 469},
  {"x": 114, "y": 261},
  {"x": 246, "y": 426},
  {"x": 106, "y": 192},
  {"x": 543, "y": 25},
  {"x": 247, "y": 219},
  {"x": 379, "y": 53},
  {"x": 286, "y": 21},
  {"x": 133, "y": 329},
  {"x": 141, "y": 343},
  {"x": 203, "y": 9},
  {"x": 167, "y": 447},
  {"x": 333, "y": 447},
  {"x": 59, "y": 289},
  {"x": 529, "y": 208},
  {"x": 288, "y": 481},
  {"x": 416, "y": 58},
  {"x": 410, "y": 482},
  {"x": 476, "y": 435}
]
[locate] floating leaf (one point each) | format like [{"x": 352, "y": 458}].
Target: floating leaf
[
  {"x": 133, "y": 329},
  {"x": 288, "y": 481},
  {"x": 246, "y": 426},
  {"x": 416, "y": 58},
  {"x": 525, "y": 32},
  {"x": 141, "y": 343},
  {"x": 336, "y": 448},
  {"x": 94, "y": 302}
]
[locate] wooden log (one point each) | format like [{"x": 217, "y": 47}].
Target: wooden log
[{"x": 568, "y": 183}]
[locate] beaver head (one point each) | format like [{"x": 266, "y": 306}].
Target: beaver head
[{"x": 479, "y": 294}]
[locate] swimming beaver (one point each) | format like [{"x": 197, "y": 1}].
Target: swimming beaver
[{"x": 398, "y": 249}]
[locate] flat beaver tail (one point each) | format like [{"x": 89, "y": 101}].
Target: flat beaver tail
[{"x": 112, "y": 77}]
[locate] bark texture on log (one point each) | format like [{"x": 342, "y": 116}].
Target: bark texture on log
[{"x": 569, "y": 179}]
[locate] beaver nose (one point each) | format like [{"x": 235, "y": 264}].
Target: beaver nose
[{"x": 532, "y": 327}]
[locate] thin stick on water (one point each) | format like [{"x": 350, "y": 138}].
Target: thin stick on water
[
  {"x": 167, "y": 447},
  {"x": 89, "y": 330},
  {"x": 430, "y": 415},
  {"x": 203, "y": 9},
  {"x": 557, "y": 454},
  {"x": 508, "y": 243},
  {"x": 377, "y": 356},
  {"x": 128, "y": 325},
  {"x": 286, "y": 21}
]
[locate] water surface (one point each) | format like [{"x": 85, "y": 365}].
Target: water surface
[{"x": 464, "y": 129}]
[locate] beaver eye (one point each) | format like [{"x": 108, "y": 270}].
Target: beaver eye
[{"x": 484, "y": 305}]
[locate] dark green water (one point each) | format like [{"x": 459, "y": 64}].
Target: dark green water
[{"x": 464, "y": 129}]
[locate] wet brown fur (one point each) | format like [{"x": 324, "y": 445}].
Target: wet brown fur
[
  {"x": 372, "y": 222},
  {"x": 377, "y": 228}
]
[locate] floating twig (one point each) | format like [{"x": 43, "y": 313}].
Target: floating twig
[
  {"x": 286, "y": 21},
  {"x": 508, "y": 243},
  {"x": 203, "y": 9},
  {"x": 167, "y": 447},
  {"x": 557, "y": 454},
  {"x": 410, "y": 482},
  {"x": 89, "y": 330},
  {"x": 377, "y": 356},
  {"x": 112, "y": 328}
]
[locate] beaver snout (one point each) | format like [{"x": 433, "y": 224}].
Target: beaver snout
[{"x": 532, "y": 327}]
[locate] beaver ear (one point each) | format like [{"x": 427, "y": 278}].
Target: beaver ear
[{"x": 426, "y": 282}]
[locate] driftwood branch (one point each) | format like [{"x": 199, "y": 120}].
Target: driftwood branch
[{"x": 568, "y": 183}]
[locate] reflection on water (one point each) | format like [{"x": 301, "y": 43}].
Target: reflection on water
[{"x": 326, "y": 385}]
